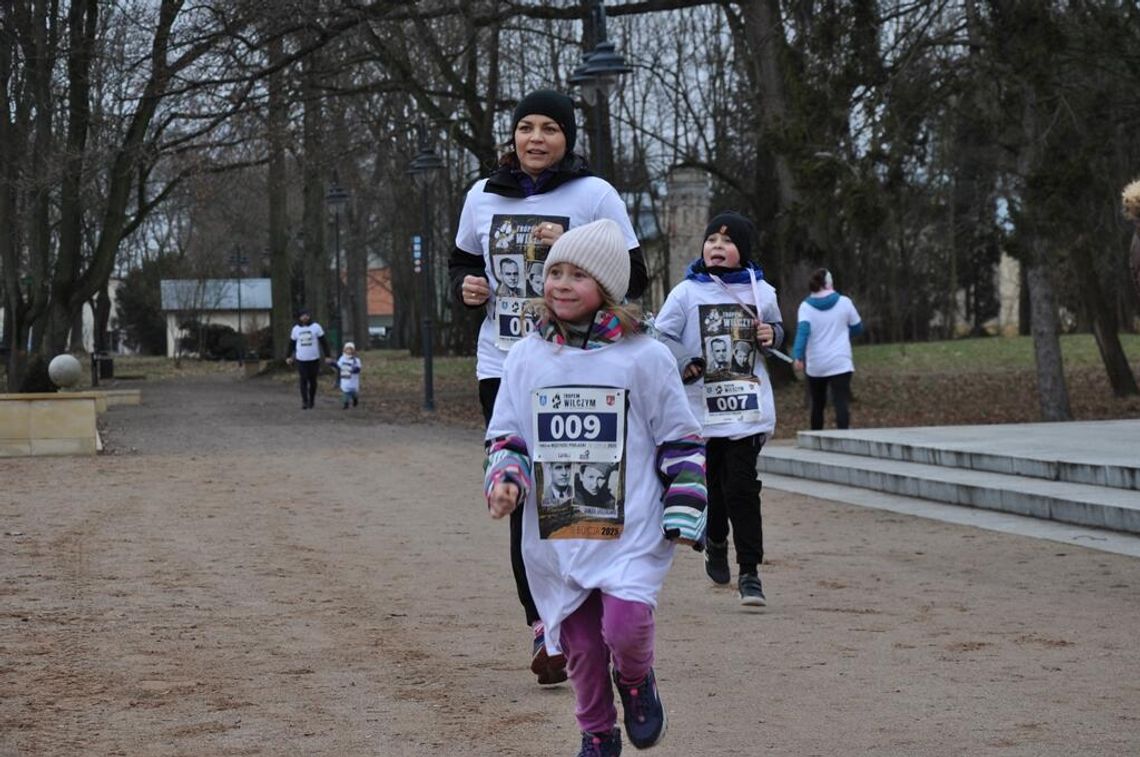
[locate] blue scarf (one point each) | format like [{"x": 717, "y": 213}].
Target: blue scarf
[{"x": 698, "y": 272}]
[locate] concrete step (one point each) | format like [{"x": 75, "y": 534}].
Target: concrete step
[
  {"x": 1100, "y": 453},
  {"x": 1112, "y": 508}
]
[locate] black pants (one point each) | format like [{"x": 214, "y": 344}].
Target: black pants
[
  {"x": 734, "y": 497},
  {"x": 488, "y": 390},
  {"x": 840, "y": 396},
  {"x": 307, "y": 371}
]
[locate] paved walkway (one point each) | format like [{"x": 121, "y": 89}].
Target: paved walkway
[{"x": 240, "y": 577}]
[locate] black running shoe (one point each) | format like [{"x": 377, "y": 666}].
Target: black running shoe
[
  {"x": 601, "y": 744},
  {"x": 716, "y": 562},
  {"x": 644, "y": 715},
  {"x": 751, "y": 590}
]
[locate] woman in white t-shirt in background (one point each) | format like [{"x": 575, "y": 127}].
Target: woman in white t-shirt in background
[
  {"x": 307, "y": 344},
  {"x": 827, "y": 321}
]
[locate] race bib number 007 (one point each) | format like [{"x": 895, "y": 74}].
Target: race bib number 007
[{"x": 727, "y": 401}]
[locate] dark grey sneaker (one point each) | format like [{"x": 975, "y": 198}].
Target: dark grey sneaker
[
  {"x": 601, "y": 744},
  {"x": 716, "y": 562},
  {"x": 751, "y": 590},
  {"x": 549, "y": 669},
  {"x": 644, "y": 715}
]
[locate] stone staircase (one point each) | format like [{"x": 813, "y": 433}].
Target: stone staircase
[{"x": 1085, "y": 474}]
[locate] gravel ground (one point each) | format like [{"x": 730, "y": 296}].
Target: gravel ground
[{"x": 236, "y": 576}]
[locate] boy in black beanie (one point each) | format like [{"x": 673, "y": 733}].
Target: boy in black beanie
[{"x": 724, "y": 300}]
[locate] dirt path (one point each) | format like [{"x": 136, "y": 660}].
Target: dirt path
[{"x": 242, "y": 577}]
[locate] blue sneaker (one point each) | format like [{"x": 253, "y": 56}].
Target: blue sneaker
[
  {"x": 644, "y": 715},
  {"x": 601, "y": 745}
]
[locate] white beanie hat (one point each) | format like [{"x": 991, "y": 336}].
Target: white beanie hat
[{"x": 599, "y": 249}]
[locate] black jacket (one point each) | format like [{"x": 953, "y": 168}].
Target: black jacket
[{"x": 504, "y": 182}]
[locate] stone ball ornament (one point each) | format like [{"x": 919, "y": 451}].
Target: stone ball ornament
[{"x": 64, "y": 371}]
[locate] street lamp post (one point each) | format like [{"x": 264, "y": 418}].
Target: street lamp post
[
  {"x": 597, "y": 75},
  {"x": 421, "y": 169},
  {"x": 238, "y": 261},
  {"x": 337, "y": 199}
]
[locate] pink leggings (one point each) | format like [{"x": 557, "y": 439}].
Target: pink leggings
[{"x": 601, "y": 627}]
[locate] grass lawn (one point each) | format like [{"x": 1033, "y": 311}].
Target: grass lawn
[{"x": 963, "y": 381}]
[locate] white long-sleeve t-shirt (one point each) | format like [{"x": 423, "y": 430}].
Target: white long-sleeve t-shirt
[
  {"x": 497, "y": 228},
  {"x": 537, "y": 375},
  {"x": 681, "y": 319},
  {"x": 829, "y": 320}
]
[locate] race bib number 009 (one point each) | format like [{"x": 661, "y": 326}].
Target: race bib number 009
[{"x": 579, "y": 423}]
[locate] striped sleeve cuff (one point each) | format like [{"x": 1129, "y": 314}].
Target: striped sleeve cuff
[
  {"x": 507, "y": 460},
  {"x": 681, "y": 465}
]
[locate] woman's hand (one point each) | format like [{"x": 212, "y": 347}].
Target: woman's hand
[
  {"x": 547, "y": 233},
  {"x": 692, "y": 371},
  {"x": 799, "y": 365},
  {"x": 503, "y": 500},
  {"x": 476, "y": 290}
]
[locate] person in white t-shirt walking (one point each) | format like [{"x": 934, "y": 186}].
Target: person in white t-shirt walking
[
  {"x": 827, "y": 321},
  {"x": 307, "y": 344}
]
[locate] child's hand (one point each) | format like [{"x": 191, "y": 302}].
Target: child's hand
[
  {"x": 765, "y": 334},
  {"x": 503, "y": 500}
]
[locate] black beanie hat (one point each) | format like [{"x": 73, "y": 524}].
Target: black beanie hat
[
  {"x": 553, "y": 105},
  {"x": 738, "y": 228}
]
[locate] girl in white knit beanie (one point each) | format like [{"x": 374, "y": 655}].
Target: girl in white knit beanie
[{"x": 584, "y": 388}]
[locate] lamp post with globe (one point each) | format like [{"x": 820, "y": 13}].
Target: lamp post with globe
[{"x": 599, "y": 72}]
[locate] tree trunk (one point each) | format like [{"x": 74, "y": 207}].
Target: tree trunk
[
  {"x": 99, "y": 340},
  {"x": 1052, "y": 392},
  {"x": 278, "y": 192},
  {"x": 766, "y": 42},
  {"x": 68, "y": 296},
  {"x": 66, "y": 305},
  {"x": 1134, "y": 262},
  {"x": 75, "y": 341},
  {"x": 356, "y": 285},
  {"x": 314, "y": 265},
  {"x": 1105, "y": 327}
]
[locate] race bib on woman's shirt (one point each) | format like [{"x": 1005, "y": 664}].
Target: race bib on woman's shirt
[{"x": 517, "y": 261}]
